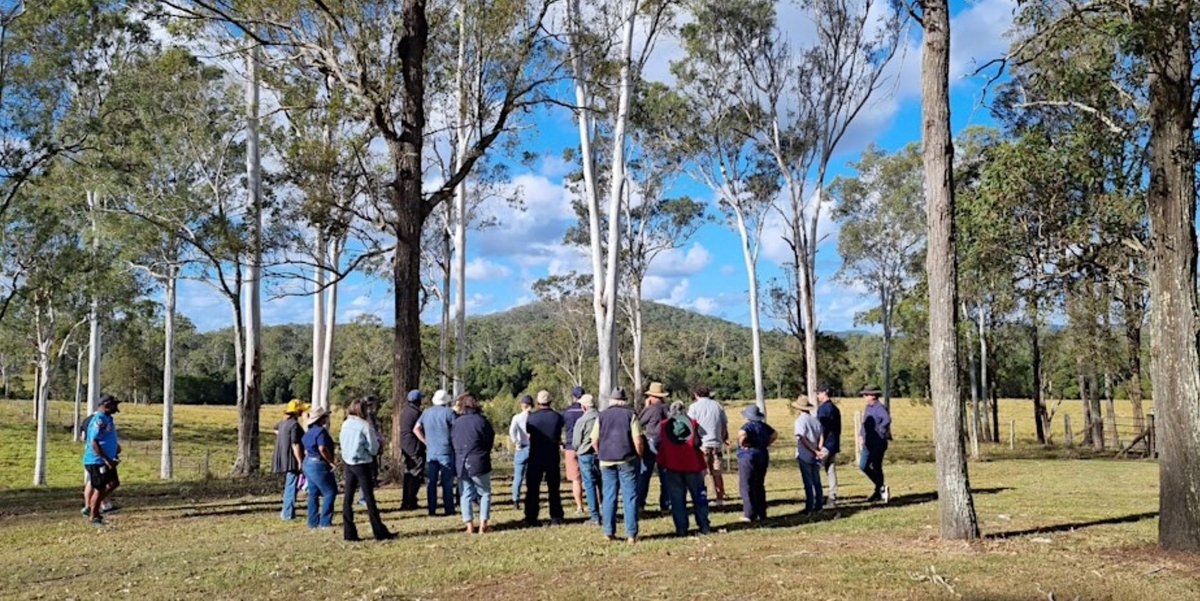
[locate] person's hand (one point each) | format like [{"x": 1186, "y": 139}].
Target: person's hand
[{"x": 110, "y": 463}]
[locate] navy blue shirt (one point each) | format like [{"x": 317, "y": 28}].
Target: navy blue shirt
[
  {"x": 472, "y": 436},
  {"x": 316, "y": 437},
  {"x": 545, "y": 427},
  {"x": 758, "y": 438},
  {"x": 831, "y": 424},
  {"x": 570, "y": 416}
]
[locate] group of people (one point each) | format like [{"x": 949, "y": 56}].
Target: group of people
[{"x": 611, "y": 456}]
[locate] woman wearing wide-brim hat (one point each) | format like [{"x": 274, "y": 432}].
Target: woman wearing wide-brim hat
[
  {"x": 754, "y": 437},
  {"x": 318, "y": 468}
]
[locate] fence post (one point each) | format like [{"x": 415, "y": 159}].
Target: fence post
[
  {"x": 1067, "y": 431},
  {"x": 1012, "y": 434},
  {"x": 1152, "y": 439}
]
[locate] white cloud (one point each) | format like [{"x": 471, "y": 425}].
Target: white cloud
[
  {"x": 676, "y": 262},
  {"x": 544, "y": 218},
  {"x": 728, "y": 270},
  {"x": 481, "y": 269}
]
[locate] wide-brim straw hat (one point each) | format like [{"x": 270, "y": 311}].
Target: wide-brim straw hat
[
  {"x": 657, "y": 390},
  {"x": 871, "y": 391},
  {"x": 315, "y": 416},
  {"x": 295, "y": 407},
  {"x": 803, "y": 404}
]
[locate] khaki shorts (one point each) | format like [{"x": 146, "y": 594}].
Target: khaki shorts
[
  {"x": 713, "y": 458},
  {"x": 572, "y": 466}
]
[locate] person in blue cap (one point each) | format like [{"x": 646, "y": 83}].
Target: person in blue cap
[
  {"x": 412, "y": 451},
  {"x": 571, "y": 416}
]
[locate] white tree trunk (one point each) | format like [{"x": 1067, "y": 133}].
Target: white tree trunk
[
  {"x": 248, "y": 448},
  {"x": 808, "y": 314},
  {"x": 335, "y": 257},
  {"x": 983, "y": 356},
  {"x": 76, "y": 421},
  {"x": 43, "y": 406},
  {"x": 318, "y": 327},
  {"x": 167, "y": 462},
  {"x": 460, "y": 211},
  {"x": 94, "y": 348},
  {"x": 751, "y": 259}
]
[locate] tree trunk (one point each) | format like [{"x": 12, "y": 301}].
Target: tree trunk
[
  {"x": 248, "y": 452},
  {"x": 886, "y": 305},
  {"x": 42, "y": 396},
  {"x": 410, "y": 211},
  {"x": 995, "y": 414},
  {"x": 335, "y": 257},
  {"x": 957, "y": 508},
  {"x": 94, "y": 348},
  {"x": 972, "y": 370},
  {"x": 1081, "y": 378},
  {"x": 460, "y": 210},
  {"x": 167, "y": 463},
  {"x": 77, "y": 419},
  {"x": 808, "y": 308},
  {"x": 1133, "y": 342},
  {"x": 983, "y": 366},
  {"x": 1094, "y": 407},
  {"x": 1110, "y": 409},
  {"x": 1174, "y": 363},
  {"x": 444, "y": 330},
  {"x": 1039, "y": 407},
  {"x": 751, "y": 259},
  {"x": 638, "y": 333},
  {"x": 318, "y": 333}
]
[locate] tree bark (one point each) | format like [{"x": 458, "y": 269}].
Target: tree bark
[
  {"x": 167, "y": 463},
  {"x": 1133, "y": 342},
  {"x": 751, "y": 259},
  {"x": 318, "y": 333},
  {"x": 248, "y": 449},
  {"x": 972, "y": 369},
  {"x": 447, "y": 271},
  {"x": 77, "y": 418},
  {"x": 956, "y": 506},
  {"x": 335, "y": 257},
  {"x": 94, "y": 348},
  {"x": 1174, "y": 362},
  {"x": 808, "y": 308},
  {"x": 886, "y": 306},
  {"x": 460, "y": 209},
  {"x": 410, "y": 212},
  {"x": 1039, "y": 406},
  {"x": 983, "y": 365}
]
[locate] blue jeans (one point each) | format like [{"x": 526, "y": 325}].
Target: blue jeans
[
  {"x": 322, "y": 487},
  {"x": 289, "y": 495},
  {"x": 589, "y": 472},
  {"x": 440, "y": 469},
  {"x": 679, "y": 485},
  {"x": 870, "y": 461},
  {"x": 810, "y": 473},
  {"x": 649, "y": 465},
  {"x": 476, "y": 489},
  {"x": 520, "y": 461},
  {"x": 622, "y": 476},
  {"x": 752, "y": 477}
]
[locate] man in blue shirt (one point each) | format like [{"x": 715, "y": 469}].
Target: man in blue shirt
[
  {"x": 873, "y": 434},
  {"x": 101, "y": 455},
  {"x": 433, "y": 430},
  {"x": 831, "y": 434}
]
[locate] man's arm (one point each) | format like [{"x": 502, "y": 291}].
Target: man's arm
[
  {"x": 639, "y": 439},
  {"x": 419, "y": 432},
  {"x": 99, "y": 451}
]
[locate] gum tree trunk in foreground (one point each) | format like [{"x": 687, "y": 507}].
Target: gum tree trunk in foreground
[{"x": 954, "y": 493}]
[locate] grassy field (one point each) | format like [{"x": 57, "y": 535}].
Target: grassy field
[{"x": 1063, "y": 525}]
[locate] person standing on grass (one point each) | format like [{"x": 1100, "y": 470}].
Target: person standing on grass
[
  {"x": 106, "y": 506},
  {"x": 318, "y": 469},
  {"x": 289, "y": 455},
  {"x": 545, "y": 428},
  {"x": 754, "y": 438},
  {"x": 433, "y": 430},
  {"x": 518, "y": 435},
  {"x": 589, "y": 468},
  {"x": 873, "y": 435},
  {"x": 619, "y": 444},
  {"x": 571, "y": 416},
  {"x": 809, "y": 454},
  {"x": 101, "y": 456},
  {"x": 714, "y": 433},
  {"x": 682, "y": 464},
  {"x": 473, "y": 436},
  {"x": 650, "y": 419},
  {"x": 359, "y": 447},
  {"x": 830, "y": 418},
  {"x": 412, "y": 451}
]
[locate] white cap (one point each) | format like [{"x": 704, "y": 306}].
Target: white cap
[{"x": 441, "y": 397}]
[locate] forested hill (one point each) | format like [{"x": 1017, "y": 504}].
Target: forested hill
[{"x": 547, "y": 345}]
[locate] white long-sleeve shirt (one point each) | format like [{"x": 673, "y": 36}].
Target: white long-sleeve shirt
[
  {"x": 358, "y": 441},
  {"x": 518, "y": 431}
]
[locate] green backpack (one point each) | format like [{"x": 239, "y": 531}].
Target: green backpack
[{"x": 679, "y": 429}]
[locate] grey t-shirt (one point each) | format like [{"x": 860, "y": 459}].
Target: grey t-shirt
[
  {"x": 808, "y": 427},
  {"x": 711, "y": 418}
]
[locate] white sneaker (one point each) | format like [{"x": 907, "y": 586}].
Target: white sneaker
[
  {"x": 884, "y": 494},
  {"x": 830, "y": 502}
]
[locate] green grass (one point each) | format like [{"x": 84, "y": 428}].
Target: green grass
[{"x": 1070, "y": 528}]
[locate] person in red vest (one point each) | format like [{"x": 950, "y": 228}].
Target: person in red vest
[{"x": 683, "y": 465}]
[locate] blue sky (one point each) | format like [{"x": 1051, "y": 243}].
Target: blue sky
[{"x": 707, "y": 274}]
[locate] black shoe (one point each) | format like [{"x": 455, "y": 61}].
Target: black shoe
[
  {"x": 874, "y": 498},
  {"x": 387, "y": 536},
  {"x": 557, "y": 522},
  {"x": 352, "y": 539},
  {"x": 532, "y": 523}
]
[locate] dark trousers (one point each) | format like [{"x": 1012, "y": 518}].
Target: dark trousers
[
  {"x": 871, "y": 464},
  {"x": 752, "y": 482},
  {"x": 414, "y": 474},
  {"x": 534, "y": 474},
  {"x": 646, "y": 472},
  {"x": 360, "y": 477}
]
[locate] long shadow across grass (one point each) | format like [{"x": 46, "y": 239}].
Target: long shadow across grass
[{"x": 1068, "y": 527}]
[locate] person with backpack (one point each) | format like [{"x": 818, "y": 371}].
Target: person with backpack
[
  {"x": 619, "y": 444},
  {"x": 589, "y": 468},
  {"x": 873, "y": 434},
  {"x": 683, "y": 466},
  {"x": 289, "y": 455},
  {"x": 754, "y": 438}
]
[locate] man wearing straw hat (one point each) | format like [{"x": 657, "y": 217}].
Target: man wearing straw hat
[
  {"x": 651, "y": 417},
  {"x": 873, "y": 434},
  {"x": 809, "y": 453},
  {"x": 289, "y": 455}
]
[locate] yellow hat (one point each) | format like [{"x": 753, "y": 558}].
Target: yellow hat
[{"x": 296, "y": 407}]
